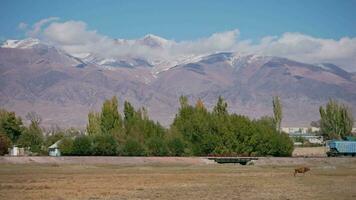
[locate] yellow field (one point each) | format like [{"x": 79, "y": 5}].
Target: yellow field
[{"x": 57, "y": 182}]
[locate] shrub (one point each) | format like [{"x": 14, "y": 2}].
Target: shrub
[
  {"x": 176, "y": 146},
  {"x": 156, "y": 146},
  {"x": 133, "y": 148},
  {"x": 66, "y": 146},
  {"x": 82, "y": 146},
  {"x": 105, "y": 145}
]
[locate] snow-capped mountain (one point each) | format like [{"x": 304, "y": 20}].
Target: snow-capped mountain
[
  {"x": 153, "y": 41},
  {"x": 21, "y": 44},
  {"x": 63, "y": 87}
]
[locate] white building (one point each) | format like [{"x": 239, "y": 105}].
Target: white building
[
  {"x": 53, "y": 150},
  {"x": 300, "y": 130},
  {"x": 17, "y": 151}
]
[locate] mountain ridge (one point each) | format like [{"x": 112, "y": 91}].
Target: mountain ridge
[{"x": 63, "y": 88}]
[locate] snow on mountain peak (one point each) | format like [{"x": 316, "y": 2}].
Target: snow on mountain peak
[
  {"x": 153, "y": 41},
  {"x": 21, "y": 44}
]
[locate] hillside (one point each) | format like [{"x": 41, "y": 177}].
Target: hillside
[{"x": 62, "y": 88}]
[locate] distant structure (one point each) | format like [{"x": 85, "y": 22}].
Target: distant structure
[
  {"x": 54, "y": 150},
  {"x": 300, "y": 130},
  {"x": 307, "y": 133},
  {"x": 17, "y": 151}
]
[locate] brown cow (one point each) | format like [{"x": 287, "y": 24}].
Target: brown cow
[{"x": 301, "y": 170}]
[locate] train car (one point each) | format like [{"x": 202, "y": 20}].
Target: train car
[{"x": 341, "y": 148}]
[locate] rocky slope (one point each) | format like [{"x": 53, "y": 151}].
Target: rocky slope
[{"x": 62, "y": 88}]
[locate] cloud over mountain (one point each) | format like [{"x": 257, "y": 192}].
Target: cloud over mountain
[{"x": 75, "y": 38}]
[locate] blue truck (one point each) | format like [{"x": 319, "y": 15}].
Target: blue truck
[{"x": 341, "y": 148}]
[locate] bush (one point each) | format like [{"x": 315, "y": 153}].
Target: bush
[
  {"x": 133, "y": 148},
  {"x": 156, "y": 146},
  {"x": 105, "y": 145},
  {"x": 82, "y": 146},
  {"x": 5, "y": 144},
  {"x": 176, "y": 146},
  {"x": 66, "y": 146}
]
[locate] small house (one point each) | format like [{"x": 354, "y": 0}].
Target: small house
[
  {"x": 17, "y": 151},
  {"x": 54, "y": 150}
]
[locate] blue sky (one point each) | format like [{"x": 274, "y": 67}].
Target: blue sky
[{"x": 188, "y": 20}]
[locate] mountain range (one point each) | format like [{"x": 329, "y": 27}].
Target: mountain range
[{"x": 63, "y": 87}]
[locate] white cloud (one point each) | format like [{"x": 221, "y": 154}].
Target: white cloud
[
  {"x": 75, "y": 38},
  {"x": 308, "y": 49},
  {"x": 37, "y": 27}
]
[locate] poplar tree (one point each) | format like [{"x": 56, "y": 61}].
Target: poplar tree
[
  {"x": 277, "y": 111},
  {"x": 336, "y": 120},
  {"x": 93, "y": 126},
  {"x": 110, "y": 117},
  {"x": 220, "y": 108}
]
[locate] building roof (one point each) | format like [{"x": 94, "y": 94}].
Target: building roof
[{"x": 55, "y": 145}]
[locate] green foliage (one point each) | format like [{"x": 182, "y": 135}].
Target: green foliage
[
  {"x": 110, "y": 118},
  {"x": 5, "y": 144},
  {"x": 82, "y": 146},
  {"x": 336, "y": 120},
  {"x": 93, "y": 127},
  {"x": 105, "y": 145},
  {"x": 10, "y": 125},
  {"x": 277, "y": 111},
  {"x": 32, "y": 137},
  {"x": 133, "y": 148},
  {"x": 176, "y": 146},
  {"x": 156, "y": 146},
  {"x": 220, "y": 133},
  {"x": 220, "y": 108},
  {"x": 66, "y": 146}
]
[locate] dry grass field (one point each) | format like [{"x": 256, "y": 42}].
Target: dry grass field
[{"x": 176, "y": 181}]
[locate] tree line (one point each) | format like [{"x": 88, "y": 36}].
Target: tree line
[{"x": 195, "y": 131}]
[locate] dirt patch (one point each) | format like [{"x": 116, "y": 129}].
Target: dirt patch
[
  {"x": 309, "y": 152},
  {"x": 111, "y": 160},
  {"x": 231, "y": 181}
]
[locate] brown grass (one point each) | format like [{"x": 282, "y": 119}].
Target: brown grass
[{"x": 57, "y": 182}]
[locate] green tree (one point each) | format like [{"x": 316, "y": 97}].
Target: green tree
[
  {"x": 156, "y": 146},
  {"x": 82, "y": 146},
  {"x": 10, "y": 125},
  {"x": 105, "y": 145},
  {"x": 129, "y": 112},
  {"x": 277, "y": 111},
  {"x": 66, "y": 146},
  {"x": 183, "y": 100},
  {"x": 220, "y": 108},
  {"x": 93, "y": 126},
  {"x": 176, "y": 146},
  {"x": 221, "y": 133},
  {"x": 110, "y": 118},
  {"x": 132, "y": 119},
  {"x": 32, "y": 137},
  {"x": 133, "y": 147},
  {"x": 336, "y": 120}
]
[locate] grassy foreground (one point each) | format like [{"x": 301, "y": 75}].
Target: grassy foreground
[{"x": 57, "y": 182}]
